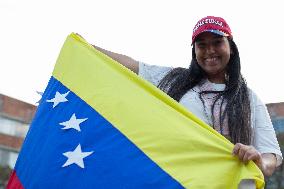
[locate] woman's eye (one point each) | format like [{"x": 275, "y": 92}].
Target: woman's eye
[
  {"x": 201, "y": 45},
  {"x": 217, "y": 42}
]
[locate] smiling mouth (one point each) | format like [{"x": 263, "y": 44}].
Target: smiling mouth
[{"x": 211, "y": 60}]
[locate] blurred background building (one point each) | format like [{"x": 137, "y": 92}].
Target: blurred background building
[
  {"x": 16, "y": 116},
  {"x": 276, "y": 111}
]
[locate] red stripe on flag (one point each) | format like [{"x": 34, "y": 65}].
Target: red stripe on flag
[{"x": 14, "y": 182}]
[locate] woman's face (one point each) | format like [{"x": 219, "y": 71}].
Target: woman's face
[{"x": 213, "y": 54}]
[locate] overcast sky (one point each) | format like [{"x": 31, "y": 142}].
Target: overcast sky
[{"x": 156, "y": 32}]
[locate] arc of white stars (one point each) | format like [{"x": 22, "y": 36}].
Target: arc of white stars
[
  {"x": 73, "y": 123},
  {"x": 76, "y": 157},
  {"x": 58, "y": 98}
]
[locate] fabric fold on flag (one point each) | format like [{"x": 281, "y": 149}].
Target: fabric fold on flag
[{"x": 99, "y": 125}]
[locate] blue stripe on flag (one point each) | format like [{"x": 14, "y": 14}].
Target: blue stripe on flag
[{"x": 111, "y": 160}]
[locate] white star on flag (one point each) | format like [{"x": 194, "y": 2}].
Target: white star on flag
[
  {"x": 73, "y": 123},
  {"x": 40, "y": 93},
  {"x": 76, "y": 157},
  {"x": 58, "y": 98}
]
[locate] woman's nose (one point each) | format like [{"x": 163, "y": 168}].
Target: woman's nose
[{"x": 210, "y": 49}]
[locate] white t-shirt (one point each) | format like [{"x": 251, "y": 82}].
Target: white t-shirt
[{"x": 263, "y": 134}]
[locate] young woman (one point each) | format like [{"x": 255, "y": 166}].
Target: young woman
[{"x": 214, "y": 89}]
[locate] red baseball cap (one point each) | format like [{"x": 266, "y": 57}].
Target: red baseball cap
[{"x": 216, "y": 25}]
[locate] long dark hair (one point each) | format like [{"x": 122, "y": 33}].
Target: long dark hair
[{"x": 236, "y": 94}]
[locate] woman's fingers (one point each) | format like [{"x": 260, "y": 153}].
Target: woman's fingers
[
  {"x": 236, "y": 148},
  {"x": 242, "y": 152},
  {"x": 246, "y": 153},
  {"x": 247, "y": 157}
]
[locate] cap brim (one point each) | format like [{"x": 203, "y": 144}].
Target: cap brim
[{"x": 217, "y": 32}]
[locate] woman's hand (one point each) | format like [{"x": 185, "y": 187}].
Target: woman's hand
[
  {"x": 266, "y": 162},
  {"x": 247, "y": 153}
]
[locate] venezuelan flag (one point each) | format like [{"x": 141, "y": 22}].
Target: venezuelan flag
[{"x": 101, "y": 126}]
